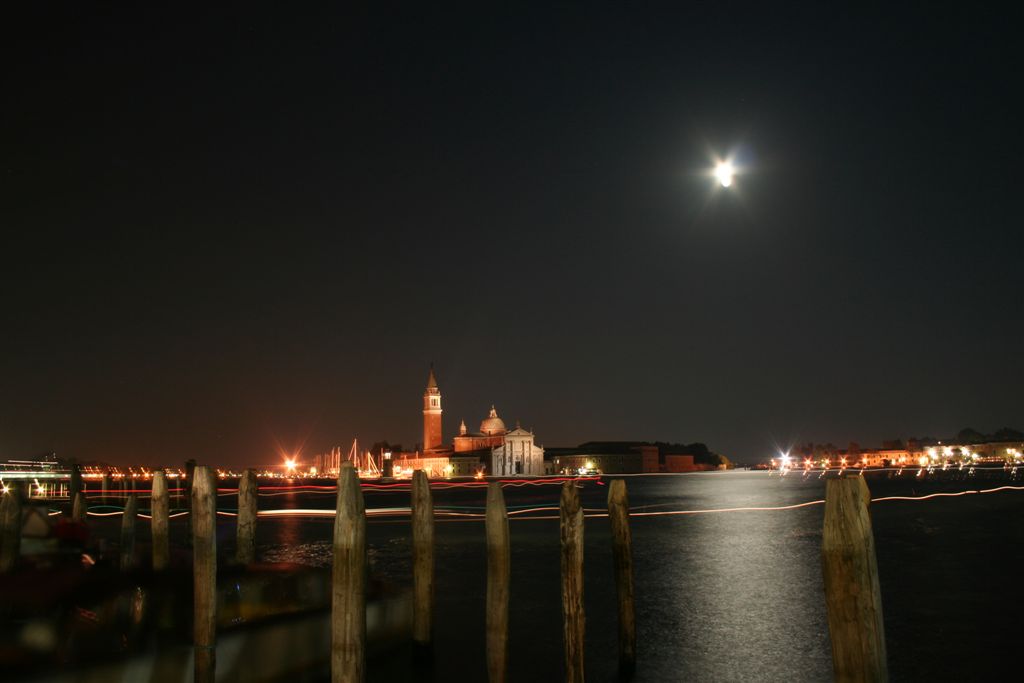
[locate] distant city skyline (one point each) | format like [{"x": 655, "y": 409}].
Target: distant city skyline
[
  {"x": 245, "y": 232},
  {"x": 303, "y": 448}
]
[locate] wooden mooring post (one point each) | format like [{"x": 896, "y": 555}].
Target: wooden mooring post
[
  {"x": 348, "y": 581},
  {"x": 248, "y": 505},
  {"x": 79, "y": 508},
  {"x": 422, "y": 564},
  {"x": 10, "y": 527},
  {"x": 498, "y": 576},
  {"x": 204, "y": 572},
  {"x": 852, "y": 596},
  {"x": 159, "y": 505},
  {"x": 622, "y": 552},
  {"x": 131, "y": 509},
  {"x": 573, "y": 617},
  {"x": 186, "y": 485},
  {"x": 75, "y": 485}
]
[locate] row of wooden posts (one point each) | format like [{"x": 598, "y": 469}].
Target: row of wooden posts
[
  {"x": 853, "y": 598},
  {"x": 852, "y": 594},
  {"x": 348, "y": 622}
]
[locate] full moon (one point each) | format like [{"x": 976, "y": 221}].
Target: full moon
[{"x": 724, "y": 173}]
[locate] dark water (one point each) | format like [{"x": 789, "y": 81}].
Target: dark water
[{"x": 720, "y": 597}]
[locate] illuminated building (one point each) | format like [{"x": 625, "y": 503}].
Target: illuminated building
[
  {"x": 606, "y": 458},
  {"x": 517, "y": 454},
  {"x": 493, "y": 450}
]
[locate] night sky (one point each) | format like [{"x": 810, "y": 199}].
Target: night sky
[{"x": 242, "y": 231}]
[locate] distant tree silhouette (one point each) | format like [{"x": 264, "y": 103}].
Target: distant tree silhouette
[
  {"x": 969, "y": 435},
  {"x": 1008, "y": 434}
]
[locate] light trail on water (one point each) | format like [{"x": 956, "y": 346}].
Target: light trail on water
[{"x": 458, "y": 513}]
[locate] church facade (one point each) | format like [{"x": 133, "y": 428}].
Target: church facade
[
  {"x": 493, "y": 449},
  {"x": 517, "y": 455}
]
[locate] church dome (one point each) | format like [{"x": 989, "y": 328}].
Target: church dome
[{"x": 492, "y": 424}]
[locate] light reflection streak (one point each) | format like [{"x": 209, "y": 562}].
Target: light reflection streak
[
  {"x": 949, "y": 495},
  {"x": 447, "y": 514},
  {"x": 284, "y": 490}
]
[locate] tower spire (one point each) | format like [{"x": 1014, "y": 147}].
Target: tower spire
[{"x": 432, "y": 438}]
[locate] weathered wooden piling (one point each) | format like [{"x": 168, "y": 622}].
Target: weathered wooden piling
[
  {"x": 75, "y": 486},
  {"x": 622, "y": 552},
  {"x": 79, "y": 508},
  {"x": 348, "y": 581},
  {"x": 10, "y": 528},
  {"x": 852, "y": 596},
  {"x": 159, "y": 505},
  {"x": 248, "y": 506},
  {"x": 204, "y": 572},
  {"x": 498, "y": 577},
  {"x": 422, "y": 561},
  {"x": 190, "y": 474},
  {"x": 131, "y": 509},
  {"x": 573, "y": 617}
]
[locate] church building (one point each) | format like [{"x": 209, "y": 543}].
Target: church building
[
  {"x": 517, "y": 454},
  {"x": 493, "y": 448},
  {"x": 492, "y": 433}
]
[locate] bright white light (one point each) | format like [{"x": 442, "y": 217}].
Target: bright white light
[{"x": 724, "y": 173}]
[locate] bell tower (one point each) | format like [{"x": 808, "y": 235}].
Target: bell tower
[{"x": 432, "y": 437}]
